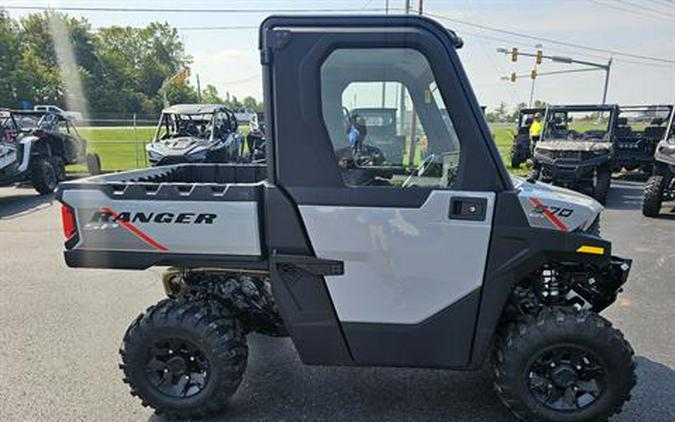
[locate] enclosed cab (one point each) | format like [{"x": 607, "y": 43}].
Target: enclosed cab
[
  {"x": 195, "y": 133},
  {"x": 362, "y": 261}
]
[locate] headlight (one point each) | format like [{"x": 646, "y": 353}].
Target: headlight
[{"x": 600, "y": 152}]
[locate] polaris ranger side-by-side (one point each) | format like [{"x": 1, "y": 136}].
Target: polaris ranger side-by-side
[
  {"x": 522, "y": 147},
  {"x": 361, "y": 263},
  {"x": 638, "y": 130},
  {"x": 660, "y": 187},
  {"x": 576, "y": 148}
]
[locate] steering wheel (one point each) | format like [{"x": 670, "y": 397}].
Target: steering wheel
[{"x": 424, "y": 166}]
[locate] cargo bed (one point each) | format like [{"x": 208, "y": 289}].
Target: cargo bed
[{"x": 201, "y": 214}]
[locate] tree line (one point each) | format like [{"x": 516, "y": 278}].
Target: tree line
[
  {"x": 119, "y": 70},
  {"x": 502, "y": 113}
]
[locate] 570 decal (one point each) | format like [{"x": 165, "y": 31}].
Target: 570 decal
[{"x": 558, "y": 211}]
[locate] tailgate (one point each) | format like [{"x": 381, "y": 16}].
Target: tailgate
[{"x": 136, "y": 225}]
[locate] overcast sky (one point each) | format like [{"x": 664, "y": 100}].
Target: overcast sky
[{"x": 228, "y": 58}]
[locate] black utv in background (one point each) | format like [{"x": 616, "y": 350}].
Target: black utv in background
[
  {"x": 638, "y": 130},
  {"x": 521, "y": 148},
  {"x": 576, "y": 148},
  {"x": 383, "y": 131},
  {"x": 37, "y": 145},
  {"x": 661, "y": 185}
]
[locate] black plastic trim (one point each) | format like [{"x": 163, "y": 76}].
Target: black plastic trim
[
  {"x": 516, "y": 250},
  {"x": 440, "y": 341},
  {"x": 141, "y": 260}
]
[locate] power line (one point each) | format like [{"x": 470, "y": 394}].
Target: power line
[
  {"x": 631, "y": 11},
  {"x": 643, "y": 7},
  {"x": 190, "y": 10},
  {"x": 553, "y": 41}
]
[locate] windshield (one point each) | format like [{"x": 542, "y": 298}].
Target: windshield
[
  {"x": 27, "y": 122},
  {"x": 199, "y": 125},
  {"x": 648, "y": 122},
  {"x": 586, "y": 125}
]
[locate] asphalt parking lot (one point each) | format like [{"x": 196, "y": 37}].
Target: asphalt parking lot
[{"x": 60, "y": 329}]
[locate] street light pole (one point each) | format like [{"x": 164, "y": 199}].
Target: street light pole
[
  {"x": 384, "y": 84},
  {"x": 569, "y": 60}
]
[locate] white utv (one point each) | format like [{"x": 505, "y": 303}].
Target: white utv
[
  {"x": 660, "y": 187},
  {"x": 442, "y": 263},
  {"x": 195, "y": 133}
]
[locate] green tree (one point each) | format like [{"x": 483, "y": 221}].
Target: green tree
[{"x": 210, "y": 95}]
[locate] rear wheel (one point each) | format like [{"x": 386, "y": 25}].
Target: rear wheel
[
  {"x": 564, "y": 365},
  {"x": 43, "y": 175},
  {"x": 183, "y": 359},
  {"x": 601, "y": 182},
  {"x": 653, "y": 195}
]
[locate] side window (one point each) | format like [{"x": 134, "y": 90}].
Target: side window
[{"x": 387, "y": 120}]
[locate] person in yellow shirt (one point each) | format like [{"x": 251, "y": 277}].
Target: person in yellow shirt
[{"x": 535, "y": 128}]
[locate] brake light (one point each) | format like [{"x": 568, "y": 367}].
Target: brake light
[{"x": 68, "y": 220}]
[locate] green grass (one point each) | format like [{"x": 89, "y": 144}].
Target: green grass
[{"x": 122, "y": 148}]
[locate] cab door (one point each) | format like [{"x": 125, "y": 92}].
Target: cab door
[{"x": 412, "y": 232}]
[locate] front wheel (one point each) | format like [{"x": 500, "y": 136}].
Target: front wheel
[
  {"x": 601, "y": 183},
  {"x": 564, "y": 365},
  {"x": 653, "y": 195},
  {"x": 43, "y": 175},
  {"x": 515, "y": 161},
  {"x": 183, "y": 358}
]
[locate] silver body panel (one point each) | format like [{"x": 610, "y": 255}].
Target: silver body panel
[
  {"x": 233, "y": 231},
  {"x": 574, "y": 210},
  {"x": 402, "y": 265}
]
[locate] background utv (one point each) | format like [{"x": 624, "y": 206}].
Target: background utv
[
  {"x": 576, "y": 148},
  {"x": 38, "y": 144},
  {"x": 437, "y": 266}
]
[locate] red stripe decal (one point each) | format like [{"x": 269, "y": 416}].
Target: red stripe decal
[
  {"x": 133, "y": 229},
  {"x": 549, "y": 215}
]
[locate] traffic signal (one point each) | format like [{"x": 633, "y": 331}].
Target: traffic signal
[
  {"x": 539, "y": 56},
  {"x": 514, "y": 54},
  {"x": 513, "y": 76},
  {"x": 533, "y": 73}
]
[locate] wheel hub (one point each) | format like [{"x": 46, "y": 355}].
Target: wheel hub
[
  {"x": 177, "y": 368},
  {"x": 566, "y": 378}
]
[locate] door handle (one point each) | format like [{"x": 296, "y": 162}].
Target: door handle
[{"x": 468, "y": 208}]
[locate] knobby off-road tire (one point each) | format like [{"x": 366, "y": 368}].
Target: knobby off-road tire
[
  {"x": 537, "y": 359},
  {"x": 653, "y": 195},
  {"x": 59, "y": 168},
  {"x": 43, "y": 176},
  {"x": 601, "y": 184},
  {"x": 93, "y": 164},
  {"x": 183, "y": 359},
  {"x": 515, "y": 161}
]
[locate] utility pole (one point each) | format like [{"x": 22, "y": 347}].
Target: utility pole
[
  {"x": 591, "y": 66},
  {"x": 421, "y": 6},
  {"x": 199, "y": 90}
]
